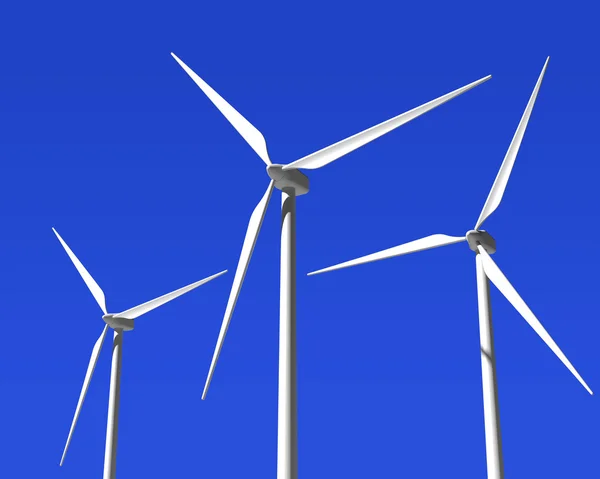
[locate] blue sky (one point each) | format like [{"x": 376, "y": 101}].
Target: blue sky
[{"x": 104, "y": 137}]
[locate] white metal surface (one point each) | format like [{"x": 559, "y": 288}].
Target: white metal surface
[
  {"x": 331, "y": 153},
  {"x": 112, "y": 421},
  {"x": 497, "y": 277},
  {"x": 253, "y": 137},
  {"x": 497, "y": 191},
  {"x": 429, "y": 242},
  {"x": 86, "y": 384},
  {"x": 287, "y": 424},
  {"x": 341, "y": 148},
  {"x": 87, "y": 277},
  {"x": 254, "y": 225},
  {"x": 137, "y": 311},
  {"x": 491, "y": 413}
]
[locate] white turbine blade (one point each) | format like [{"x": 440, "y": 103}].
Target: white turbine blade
[
  {"x": 497, "y": 277},
  {"x": 343, "y": 147},
  {"x": 497, "y": 191},
  {"x": 429, "y": 242},
  {"x": 87, "y": 277},
  {"x": 148, "y": 306},
  {"x": 252, "y": 232},
  {"x": 84, "y": 388},
  {"x": 252, "y": 136}
]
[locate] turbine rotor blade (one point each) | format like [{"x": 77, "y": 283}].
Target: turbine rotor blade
[
  {"x": 497, "y": 277},
  {"x": 252, "y": 232},
  {"x": 87, "y": 277},
  {"x": 84, "y": 388},
  {"x": 497, "y": 191},
  {"x": 252, "y": 136},
  {"x": 343, "y": 147},
  {"x": 429, "y": 242},
  {"x": 148, "y": 306}
]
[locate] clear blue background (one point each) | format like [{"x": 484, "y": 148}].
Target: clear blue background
[{"x": 103, "y": 136}]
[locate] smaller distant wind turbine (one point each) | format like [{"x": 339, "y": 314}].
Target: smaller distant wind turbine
[
  {"x": 118, "y": 322},
  {"x": 482, "y": 243}
]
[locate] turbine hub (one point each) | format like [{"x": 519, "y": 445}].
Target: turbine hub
[
  {"x": 285, "y": 179},
  {"x": 118, "y": 323},
  {"x": 483, "y": 238}
]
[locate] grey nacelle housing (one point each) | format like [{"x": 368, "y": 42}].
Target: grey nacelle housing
[
  {"x": 289, "y": 179},
  {"x": 118, "y": 323},
  {"x": 482, "y": 238}
]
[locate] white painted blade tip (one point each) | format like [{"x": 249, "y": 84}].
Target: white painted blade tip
[
  {"x": 205, "y": 391},
  {"x": 477, "y": 83},
  {"x": 210, "y": 278},
  {"x": 545, "y": 67},
  {"x": 324, "y": 270},
  {"x": 214, "y": 276},
  {"x": 181, "y": 63}
]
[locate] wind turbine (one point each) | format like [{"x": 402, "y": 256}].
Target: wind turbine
[
  {"x": 482, "y": 243},
  {"x": 119, "y": 322},
  {"x": 292, "y": 183}
]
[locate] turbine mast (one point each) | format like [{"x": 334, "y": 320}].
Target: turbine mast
[
  {"x": 112, "y": 423},
  {"x": 287, "y": 434},
  {"x": 493, "y": 438}
]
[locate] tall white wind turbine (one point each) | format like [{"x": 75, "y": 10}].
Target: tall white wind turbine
[
  {"x": 482, "y": 243},
  {"x": 119, "y": 323},
  {"x": 292, "y": 183}
]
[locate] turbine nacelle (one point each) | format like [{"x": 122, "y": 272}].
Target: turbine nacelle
[
  {"x": 284, "y": 179},
  {"x": 115, "y": 322},
  {"x": 481, "y": 238}
]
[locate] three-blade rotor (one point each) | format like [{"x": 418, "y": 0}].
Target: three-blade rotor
[
  {"x": 491, "y": 269},
  {"x": 315, "y": 160},
  {"x": 131, "y": 313},
  {"x": 492, "y": 202}
]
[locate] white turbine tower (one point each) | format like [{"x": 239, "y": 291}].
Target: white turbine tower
[
  {"x": 118, "y": 322},
  {"x": 483, "y": 245},
  {"x": 292, "y": 183}
]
